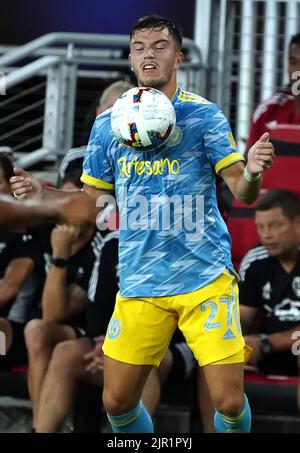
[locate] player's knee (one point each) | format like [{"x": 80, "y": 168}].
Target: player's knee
[
  {"x": 230, "y": 404},
  {"x": 37, "y": 335},
  {"x": 117, "y": 403}
]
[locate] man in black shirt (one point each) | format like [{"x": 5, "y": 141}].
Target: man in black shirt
[
  {"x": 18, "y": 273},
  {"x": 270, "y": 286},
  {"x": 54, "y": 396},
  {"x": 19, "y": 292},
  {"x": 270, "y": 293},
  {"x": 71, "y": 267}
]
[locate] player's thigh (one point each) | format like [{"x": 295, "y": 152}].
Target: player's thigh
[
  {"x": 139, "y": 331},
  {"x": 211, "y": 325}
]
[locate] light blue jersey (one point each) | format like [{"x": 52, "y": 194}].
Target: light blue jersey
[{"x": 173, "y": 239}]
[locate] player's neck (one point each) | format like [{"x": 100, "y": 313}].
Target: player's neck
[{"x": 170, "y": 90}]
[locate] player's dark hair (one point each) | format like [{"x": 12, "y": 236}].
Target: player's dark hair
[
  {"x": 159, "y": 23},
  {"x": 280, "y": 198},
  {"x": 295, "y": 39},
  {"x": 7, "y": 166}
]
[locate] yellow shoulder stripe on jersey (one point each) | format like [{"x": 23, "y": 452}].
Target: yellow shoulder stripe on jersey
[
  {"x": 231, "y": 139},
  {"x": 94, "y": 182},
  {"x": 185, "y": 96},
  {"x": 228, "y": 160}
]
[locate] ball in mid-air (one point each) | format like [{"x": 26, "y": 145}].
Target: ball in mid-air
[{"x": 143, "y": 118}]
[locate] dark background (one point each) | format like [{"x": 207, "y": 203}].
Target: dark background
[{"x": 22, "y": 21}]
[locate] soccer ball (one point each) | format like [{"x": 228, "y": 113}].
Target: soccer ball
[{"x": 143, "y": 118}]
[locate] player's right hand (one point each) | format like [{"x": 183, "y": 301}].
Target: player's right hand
[{"x": 24, "y": 186}]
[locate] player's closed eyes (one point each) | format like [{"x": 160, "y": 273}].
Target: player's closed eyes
[{"x": 160, "y": 46}]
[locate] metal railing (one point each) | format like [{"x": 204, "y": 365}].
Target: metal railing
[
  {"x": 248, "y": 55},
  {"x": 62, "y": 58}
]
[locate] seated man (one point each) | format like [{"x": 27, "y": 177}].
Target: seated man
[
  {"x": 74, "y": 257},
  {"x": 18, "y": 268},
  {"x": 59, "y": 363},
  {"x": 270, "y": 285}
]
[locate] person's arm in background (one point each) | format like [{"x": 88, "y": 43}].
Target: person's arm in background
[
  {"x": 60, "y": 300},
  {"x": 97, "y": 175},
  {"x": 24, "y": 186},
  {"x": 248, "y": 316},
  {"x": 12, "y": 281},
  {"x": 76, "y": 209},
  {"x": 283, "y": 341}
]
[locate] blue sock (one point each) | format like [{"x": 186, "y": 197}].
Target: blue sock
[
  {"x": 136, "y": 421},
  {"x": 239, "y": 424}
]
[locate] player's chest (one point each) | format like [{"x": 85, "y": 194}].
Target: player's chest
[{"x": 163, "y": 170}]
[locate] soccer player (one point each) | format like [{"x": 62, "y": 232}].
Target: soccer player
[{"x": 182, "y": 276}]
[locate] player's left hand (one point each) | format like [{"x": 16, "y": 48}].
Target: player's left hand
[{"x": 261, "y": 155}]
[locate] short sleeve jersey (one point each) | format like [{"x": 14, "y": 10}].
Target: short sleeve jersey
[{"x": 173, "y": 239}]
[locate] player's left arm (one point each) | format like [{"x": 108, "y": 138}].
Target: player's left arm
[{"x": 245, "y": 182}]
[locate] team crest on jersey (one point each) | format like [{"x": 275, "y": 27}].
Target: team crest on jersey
[
  {"x": 114, "y": 329},
  {"x": 296, "y": 286},
  {"x": 175, "y": 137}
]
